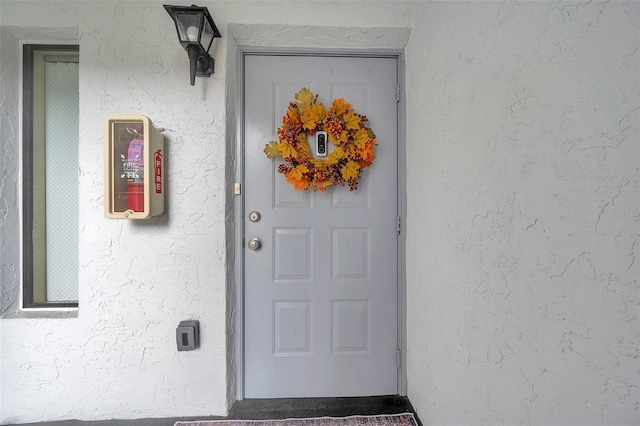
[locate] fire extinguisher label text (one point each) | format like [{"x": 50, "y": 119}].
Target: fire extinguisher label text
[{"x": 158, "y": 171}]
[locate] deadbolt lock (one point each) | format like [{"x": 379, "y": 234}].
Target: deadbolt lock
[{"x": 254, "y": 216}]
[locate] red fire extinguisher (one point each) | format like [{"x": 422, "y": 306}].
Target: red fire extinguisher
[{"x": 135, "y": 175}]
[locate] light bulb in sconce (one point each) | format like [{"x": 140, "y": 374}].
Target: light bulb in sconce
[{"x": 192, "y": 33}]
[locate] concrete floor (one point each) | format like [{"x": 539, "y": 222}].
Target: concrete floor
[{"x": 262, "y": 409}]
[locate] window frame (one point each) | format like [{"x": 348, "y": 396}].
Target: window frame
[{"x": 28, "y": 286}]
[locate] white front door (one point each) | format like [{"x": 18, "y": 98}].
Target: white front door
[{"x": 320, "y": 295}]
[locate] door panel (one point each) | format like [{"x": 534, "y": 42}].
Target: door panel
[{"x": 320, "y": 295}]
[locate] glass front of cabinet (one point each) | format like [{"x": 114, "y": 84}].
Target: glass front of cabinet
[{"x": 128, "y": 166}]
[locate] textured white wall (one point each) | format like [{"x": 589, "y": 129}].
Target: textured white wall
[
  {"x": 523, "y": 155},
  {"x": 138, "y": 279},
  {"x": 9, "y": 157}
]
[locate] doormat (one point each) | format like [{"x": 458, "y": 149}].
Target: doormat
[{"x": 405, "y": 419}]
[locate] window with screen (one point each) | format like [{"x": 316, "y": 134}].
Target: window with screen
[{"x": 50, "y": 175}]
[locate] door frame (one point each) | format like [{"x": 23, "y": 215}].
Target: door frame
[{"x": 239, "y": 202}]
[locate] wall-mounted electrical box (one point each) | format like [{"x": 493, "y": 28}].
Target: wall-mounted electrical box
[
  {"x": 134, "y": 168},
  {"x": 188, "y": 335}
]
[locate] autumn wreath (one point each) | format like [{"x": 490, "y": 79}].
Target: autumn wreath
[{"x": 347, "y": 130}]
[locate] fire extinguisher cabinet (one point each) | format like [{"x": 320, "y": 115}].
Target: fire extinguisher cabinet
[{"x": 134, "y": 168}]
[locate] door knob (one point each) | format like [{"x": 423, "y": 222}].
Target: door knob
[{"x": 254, "y": 244}]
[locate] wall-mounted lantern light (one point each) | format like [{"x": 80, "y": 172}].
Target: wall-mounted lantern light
[{"x": 196, "y": 31}]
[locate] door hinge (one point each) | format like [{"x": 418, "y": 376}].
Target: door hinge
[
  {"x": 237, "y": 188},
  {"x": 397, "y": 93},
  {"x": 399, "y": 359},
  {"x": 398, "y": 225}
]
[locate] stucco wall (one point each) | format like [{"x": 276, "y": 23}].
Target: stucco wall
[
  {"x": 138, "y": 279},
  {"x": 523, "y": 154},
  {"x": 9, "y": 154}
]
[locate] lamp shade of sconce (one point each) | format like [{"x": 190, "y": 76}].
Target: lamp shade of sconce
[{"x": 196, "y": 31}]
